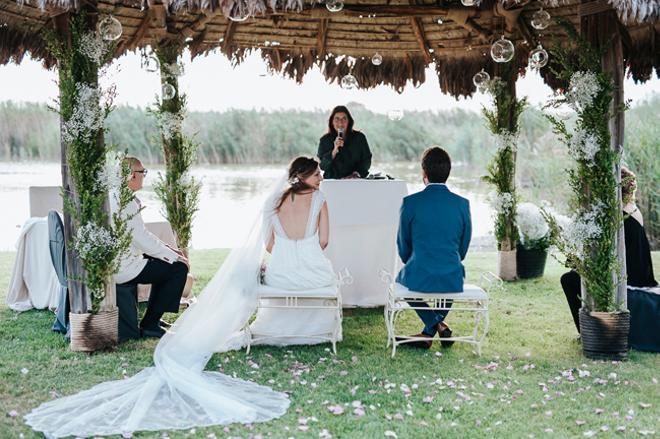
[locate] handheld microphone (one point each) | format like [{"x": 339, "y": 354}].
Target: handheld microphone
[{"x": 340, "y": 133}]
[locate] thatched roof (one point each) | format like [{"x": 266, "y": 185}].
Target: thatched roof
[{"x": 294, "y": 36}]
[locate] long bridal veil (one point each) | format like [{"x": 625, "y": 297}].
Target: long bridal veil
[{"x": 177, "y": 393}]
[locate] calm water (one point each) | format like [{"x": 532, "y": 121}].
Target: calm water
[{"x": 231, "y": 196}]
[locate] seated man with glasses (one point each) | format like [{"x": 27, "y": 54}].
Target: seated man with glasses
[
  {"x": 150, "y": 261},
  {"x": 343, "y": 151}
]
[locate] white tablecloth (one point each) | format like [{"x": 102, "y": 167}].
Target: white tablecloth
[
  {"x": 364, "y": 217},
  {"x": 34, "y": 283}
]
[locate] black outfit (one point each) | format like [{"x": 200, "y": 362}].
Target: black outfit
[
  {"x": 639, "y": 267},
  {"x": 354, "y": 156},
  {"x": 167, "y": 283}
]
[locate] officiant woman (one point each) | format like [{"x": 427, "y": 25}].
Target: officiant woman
[{"x": 343, "y": 151}]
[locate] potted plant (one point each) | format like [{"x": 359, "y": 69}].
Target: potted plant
[
  {"x": 589, "y": 241},
  {"x": 533, "y": 241}
]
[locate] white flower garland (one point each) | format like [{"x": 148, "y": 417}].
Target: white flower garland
[
  {"x": 92, "y": 240},
  {"x": 584, "y": 146},
  {"x": 582, "y": 229},
  {"x": 506, "y": 139},
  {"x": 170, "y": 124},
  {"x": 583, "y": 88},
  {"x": 532, "y": 226},
  {"x": 93, "y": 47},
  {"x": 87, "y": 117},
  {"x": 502, "y": 202}
]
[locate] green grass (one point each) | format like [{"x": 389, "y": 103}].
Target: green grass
[{"x": 531, "y": 341}]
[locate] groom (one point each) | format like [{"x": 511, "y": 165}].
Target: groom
[
  {"x": 150, "y": 261},
  {"x": 434, "y": 235}
]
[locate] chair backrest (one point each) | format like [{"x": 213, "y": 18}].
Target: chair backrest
[
  {"x": 57, "y": 246},
  {"x": 43, "y": 199}
]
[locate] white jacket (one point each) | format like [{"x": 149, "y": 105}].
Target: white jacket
[{"x": 144, "y": 242}]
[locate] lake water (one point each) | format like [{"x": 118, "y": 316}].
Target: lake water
[{"x": 231, "y": 196}]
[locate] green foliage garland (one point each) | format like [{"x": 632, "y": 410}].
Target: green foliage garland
[{"x": 589, "y": 242}]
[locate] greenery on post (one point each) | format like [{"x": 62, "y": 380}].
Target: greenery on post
[
  {"x": 100, "y": 238},
  {"x": 503, "y": 123},
  {"x": 589, "y": 240},
  {"x": 178, "y": 190}
]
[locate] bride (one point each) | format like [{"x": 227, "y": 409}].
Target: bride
[
  {"x": 298, "y": 235},
  {"x": 177, "y": 393}
]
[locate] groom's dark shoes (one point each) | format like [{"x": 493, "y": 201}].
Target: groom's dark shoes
[
  {"x": 445, "y": 332},
  {"x": 152, "y": 331}
]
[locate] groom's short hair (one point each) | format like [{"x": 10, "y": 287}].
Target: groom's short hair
[{"x": 436, "y": 164}]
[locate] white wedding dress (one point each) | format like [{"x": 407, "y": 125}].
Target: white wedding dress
[
  {"x": 177, "y": 393},
  {"x": 297, "y": 265}
]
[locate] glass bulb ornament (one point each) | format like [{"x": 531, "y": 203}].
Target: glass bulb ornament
[
  {"x": 395, "y": 115},
  {"x": 334, "y": 5},
  {"x": 168, "y": 92},
  {"x": 538, "y": 58},
  {"x": 110, "y": 28},
  {"x": 377, "y": 59},
  {"x": 349, "y": 82},
  {"x": 470, "y": 2},
  {"x": 239, "y": 11},
  {"x": 481, "y": 79},
  {"x": 439, "y": 20},
  {"x": 150, "y": 64},
  {"x": 541, "y": 19},
  {"x": 502, "y": 50}
]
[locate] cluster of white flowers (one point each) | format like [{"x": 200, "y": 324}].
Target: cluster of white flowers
[
  {"x": 584, "y": 146},
  {"x": 93, "y": 47},
  {"x": 531, "y": 224},
  {"x": 583, "y": 88},
  {"x": 506, "y": 138},
  {"x": 174, "y": 69},
  {"x": 502, "y": 202},
  {"x": 87, "y": 117},
  {"x": 493, "y": 86},
  {"x": 582, "y": 229},
  {"x": 170, "y": 124},
  {"x": 110, "y": 176},
  {"x": 91, "y": 238}
]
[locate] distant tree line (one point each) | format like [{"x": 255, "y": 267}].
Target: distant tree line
[{"x": 31, "y": 132}]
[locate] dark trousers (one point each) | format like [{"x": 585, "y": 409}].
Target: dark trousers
[
  {"x": 570, "y": 283},
  {"x": 167, "y": 283},
  {"x": 431, "y": 318}
]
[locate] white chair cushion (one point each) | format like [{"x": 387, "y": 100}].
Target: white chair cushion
[
  {"x": 470, "y": 292},
  {"x": 268, "y": 291}
]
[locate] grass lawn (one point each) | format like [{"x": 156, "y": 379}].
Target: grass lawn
[{"x": 519, "y": 387}]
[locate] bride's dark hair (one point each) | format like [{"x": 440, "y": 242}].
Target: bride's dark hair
[{"x": 299, "y": 169}]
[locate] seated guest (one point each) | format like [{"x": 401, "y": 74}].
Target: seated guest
[
  {"x": 639, "y": 267},
  {"x": 434, "y": 235},
  {"x": 343, "y": 152},
  {"x": 150, "y": 261}
]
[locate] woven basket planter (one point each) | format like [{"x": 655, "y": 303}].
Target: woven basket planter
[
  {"x": 604, "y": 334},
  {"x": 94, "y": 332},
  {"x": 530, "y": 263},
  {"x": 506, "y": 265}
]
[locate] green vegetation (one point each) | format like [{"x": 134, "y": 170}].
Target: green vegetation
[{"x": 519, "y": 387}]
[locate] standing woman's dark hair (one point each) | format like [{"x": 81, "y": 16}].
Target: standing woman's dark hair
[
  {"x": 340, "y": 109},
  {"x": 299, "y": 169}
]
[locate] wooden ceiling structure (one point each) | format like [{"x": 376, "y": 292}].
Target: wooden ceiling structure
[{"x": 294, "y": 37}]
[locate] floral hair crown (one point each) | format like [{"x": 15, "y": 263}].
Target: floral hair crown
[{"x": 294, "y": 180}]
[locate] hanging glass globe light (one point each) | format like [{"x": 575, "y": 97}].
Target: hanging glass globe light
[
  {"x": 168, "y": 92},
  {"x": 395, "y": 115},
  {"x": 541, "y": 19},
  {"x": 150, "y": 64},
  {"x": 471, "y": 2},
  {"x": 239, "y": 11},
  {"x": 538, "y": 57},
  {"x": 480, "y": 79},
  {"x": 334, "y": 5},
  {"x": 502, "y": 50},
  {"x": 110, "y": 28},
  {"x": 439, "y": 20},
  {"x": 348, "y": 82},
  {"x": 377, "y": 59}
]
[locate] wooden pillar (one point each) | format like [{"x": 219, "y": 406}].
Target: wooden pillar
[{"x": 600, "y": 26}]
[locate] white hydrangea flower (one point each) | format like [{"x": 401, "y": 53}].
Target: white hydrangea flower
[
  {"x": 170, "y": 124},
  {"x": 584, "y": 146},
  {"x": 506, "y": 139},
  {"x": 583, "y": 88},
  {"x": 92, "y": 240},
  {"x": 87, "y": 117},
  {"x": 582, "y": 229},
  {"x": 501, "y": 202},
  {"x": 93, "y": 47},
  {"x": 531, "y": 224}
]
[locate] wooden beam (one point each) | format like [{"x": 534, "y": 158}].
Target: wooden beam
[
  {"x": 321, "y": 37},
  {"x": 139, "y": 34},
  {"x": 416, "y": 24},
  {"x": 229, "y": 35}
]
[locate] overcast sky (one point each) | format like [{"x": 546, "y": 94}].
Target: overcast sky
[{"x": 212, "y": 84}]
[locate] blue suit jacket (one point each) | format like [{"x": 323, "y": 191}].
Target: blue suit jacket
[{"x": 434, "y": 235}]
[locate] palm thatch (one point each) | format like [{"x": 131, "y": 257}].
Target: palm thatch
[{"x": 294, "y": 37}]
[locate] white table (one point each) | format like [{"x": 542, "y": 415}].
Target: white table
[{"x": 364, "y": 217}]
